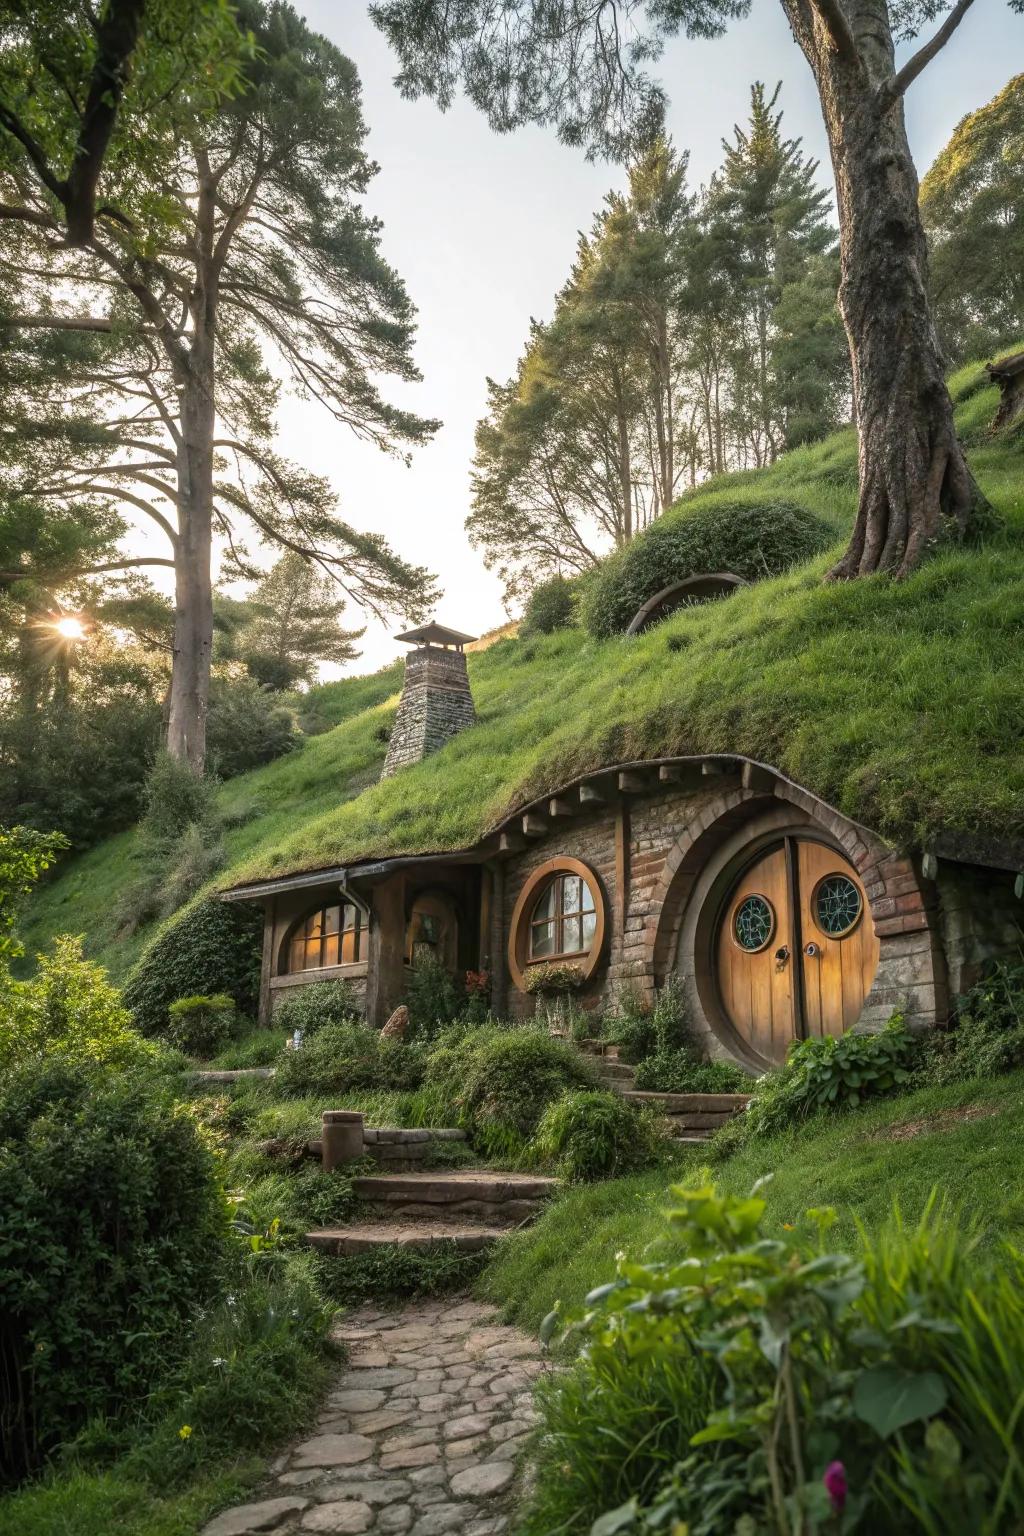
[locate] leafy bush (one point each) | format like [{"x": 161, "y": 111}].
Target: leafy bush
[
  {"x": 641, "y": 1029},
  {"x": 211, "y": 946},
  {"x": 987, "y": 1036},
  {"x": 771, "y": 1385},
  {"x": 432, "y": 996},
  {"x": 681, "y": 1072},
  {"x": 550, "y": 606},
  {"x": 750, "y": 539},
  {"x": 341, "y": 1057},
  {"x": 68, "y": 1012},
  {"x": 314, "y": 1007},
  {"x": 176, "y": 798},
  {"x": 24, "y": 856},
  {"x": 593, "y": 1134},
  {"x": 199, "y": 1026},
  {"x": 392, "y": 1271},
  {"x": 499, "y": 1081},
  {"x": 831, "y": 1072},
  {"x": 261, "y": 1048},
  {"x": 247, "y": 726},
  {"x": 114, "y": 1229}
]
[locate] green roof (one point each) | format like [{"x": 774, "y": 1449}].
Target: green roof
[{"x": 898, "y": 704}]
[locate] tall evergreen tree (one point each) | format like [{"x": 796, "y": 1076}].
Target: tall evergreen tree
[
  {"x": 290, "y": 624},
  {"x": 972, "y": 203},
  {"x": 254, "y": 251},
  {"x": 583, "y": 68}
]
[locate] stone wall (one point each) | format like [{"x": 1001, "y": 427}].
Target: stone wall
[
  {"x": 980, "y": 920},
  {"x": 436, "y": 704}
]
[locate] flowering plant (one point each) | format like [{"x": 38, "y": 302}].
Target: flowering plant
[{"x": 553, "y": 979}]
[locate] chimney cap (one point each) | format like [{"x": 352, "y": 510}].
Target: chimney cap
[{"x": 435, "y": 634}]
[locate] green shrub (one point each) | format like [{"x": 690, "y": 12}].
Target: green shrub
[
  {"x": 211, "y": 946},
  {"x": 341, "y": 1057},
  {"x": 550, "y": 606},
  {"x": 764, "y": 1384},
  {"x": 499, "y": 1081},
  {"x": 641, "y": 1029},
  {"x": 313, "y": 1007},
  {"x": 176, "y": 798},
  {"x": 261, "y": 1048},
  {"x": 247, "y": 726},
  {"x": 987, "y": 1036},
  {"x": 681, "y": 1072},
  {"x": 592, "y": 1134},
  {"x": 432, "y": 996},
  {"x": 393, "y": 1272},
  {"x": 199, "y": 1026},
  {"x": 69, "y": 1012},
  {"x": 750, "y": 539},
  {"x": 831, "y": 1072},
  {"x": 113, "y": 1233}
]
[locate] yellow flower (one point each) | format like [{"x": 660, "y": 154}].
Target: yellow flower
[
  {"x": 788, "y": 1226},
  {"x": 185, "y": 1431}
]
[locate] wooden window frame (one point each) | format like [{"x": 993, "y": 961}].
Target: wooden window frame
[
  {"x": 560, "y": 918},
  {"x": 297, "y": 931},
  {"x": 520, "y": 927}
]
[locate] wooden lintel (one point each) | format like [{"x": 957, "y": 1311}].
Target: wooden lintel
[
  {"x": 717, "y": 767},
  {"x": 592, "y": 794},
  {"x": 632, "y": 783},
  {"x": 534, "y": 824},
  {"x": 759, "y": 779},
  {"x": 511, "y": 842},
  {"x": 561, "y": 807}
]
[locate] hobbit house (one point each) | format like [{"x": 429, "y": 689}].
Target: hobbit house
[{"x": 780, "y": 917}]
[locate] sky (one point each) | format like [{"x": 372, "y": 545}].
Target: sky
[{"x": 483, "y": 227}]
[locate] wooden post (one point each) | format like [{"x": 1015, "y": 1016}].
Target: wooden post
[{"x": 267, "y": 963}]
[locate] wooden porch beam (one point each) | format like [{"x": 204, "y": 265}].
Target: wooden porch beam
[{"x": 534, "y": 824}]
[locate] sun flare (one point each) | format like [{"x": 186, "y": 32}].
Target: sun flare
[{"x": 70, "y": 628}]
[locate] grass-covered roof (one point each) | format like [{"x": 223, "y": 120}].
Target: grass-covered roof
[{"x": 899, "y": 704}]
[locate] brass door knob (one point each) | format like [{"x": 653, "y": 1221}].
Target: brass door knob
[{"x": 812, "y": 950}]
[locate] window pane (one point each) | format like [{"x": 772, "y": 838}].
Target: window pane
[
  {"x": 542, "y": 939},
  {"x": 350, "y": 946},
  {"x": 545, "y": 907},
  {"x": 311, "y": 957},
  {"x": 297, "y": 954},
  {"x": 314, "y": 925},
  {"x": 332, "y": 918},
  {"x": 571, "y": 893},
  {"x": 588, "y": 897},
  {"x": 349, "y": 916},
  {"x": 330, "y": 950},
  {"x": 589, "y": 928},
  {"x": 571, "y": 942}
]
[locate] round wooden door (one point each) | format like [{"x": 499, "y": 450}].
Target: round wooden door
[{"x": 796, "y": 951}]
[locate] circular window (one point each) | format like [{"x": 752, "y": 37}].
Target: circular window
[
  {"x": 753, "y": 923},
  {"x": 836, "y": 905},
  {"x": 559, "y": 917}
]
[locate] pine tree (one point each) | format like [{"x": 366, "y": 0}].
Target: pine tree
[{"x": 290, "y": 624}]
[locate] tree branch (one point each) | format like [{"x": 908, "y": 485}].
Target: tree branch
[
  {"x": 20, "y": 572},
  {"x": 891, "y": 90}
]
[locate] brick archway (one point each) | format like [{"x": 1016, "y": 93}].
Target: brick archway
[{"x": 911, "y": 974}]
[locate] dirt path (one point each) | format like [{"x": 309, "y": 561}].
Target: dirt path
[{"x": 421, "y": 1433}]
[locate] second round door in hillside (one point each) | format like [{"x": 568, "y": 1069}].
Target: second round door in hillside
[{"x": 796, "y": 951}]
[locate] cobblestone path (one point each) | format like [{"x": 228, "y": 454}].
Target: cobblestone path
[{"x": 421, "y": 1433}]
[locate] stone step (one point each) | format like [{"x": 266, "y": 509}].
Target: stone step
[
  {"x": 226, "y": 1075},
  {"x": 697, "y": 1103},
  {"x": 615, "y": 1071},
  {"x": 395, "y": 1145},
  {"x": 365, "y": 1236},
  {"x": 477, "y": 1193}
]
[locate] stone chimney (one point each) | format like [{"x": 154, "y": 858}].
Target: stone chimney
[{"x": 436, "y": 703}]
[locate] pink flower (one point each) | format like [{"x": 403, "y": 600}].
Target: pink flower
[{"x": 835, "y": 1485}]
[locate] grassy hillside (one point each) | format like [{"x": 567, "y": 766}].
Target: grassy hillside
[{"x": 900, "y": 704}]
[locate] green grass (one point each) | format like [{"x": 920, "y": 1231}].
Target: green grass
[
  {"x": 898, "y": 704},
  {"x": 852, "y": 1162},
  {"x": 99, "y": 1503}
]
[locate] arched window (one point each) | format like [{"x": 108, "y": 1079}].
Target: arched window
[
  {"x": 330, "y": 936},
  {"x": 563, "y": 922}
]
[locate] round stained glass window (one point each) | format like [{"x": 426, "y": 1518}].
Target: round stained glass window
[
  {"x": 753, "y": 923},
  {"x": 837, "y": 905}
]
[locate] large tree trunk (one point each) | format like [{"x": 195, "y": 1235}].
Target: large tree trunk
[
  {"x": 193, "y": 583},
  {"x": 193, "y": 577},
  {"x": 915, "y": 485}
]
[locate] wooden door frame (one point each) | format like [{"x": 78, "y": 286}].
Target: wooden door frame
[{"x": 712, "y": 913}]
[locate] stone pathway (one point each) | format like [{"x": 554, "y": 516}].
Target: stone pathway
[{"x": 421, "y": 1434}]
